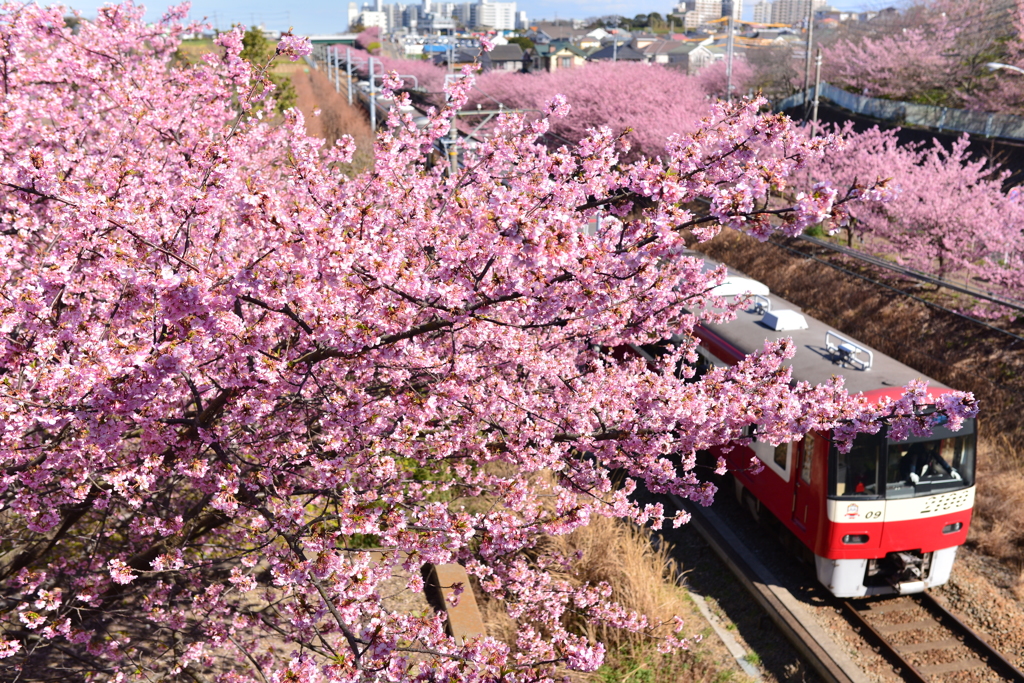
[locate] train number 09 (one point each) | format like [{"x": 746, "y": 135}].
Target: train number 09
[{"x": 872, "y": 514}]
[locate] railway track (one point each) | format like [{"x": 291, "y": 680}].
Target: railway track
[
  {"x": 921, "y": 640},
  {"x": 925, "y": 642}
]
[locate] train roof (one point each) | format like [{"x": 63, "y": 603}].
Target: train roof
[{"x": 821, "y": 350}]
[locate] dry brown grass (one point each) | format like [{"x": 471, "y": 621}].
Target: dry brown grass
[
  {"x": 955, "y": 352},
  {"x": 315, "y": 91},
  {"x": 643, "y": 578}
]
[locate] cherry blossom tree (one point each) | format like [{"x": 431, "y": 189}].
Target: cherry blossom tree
[
  {"x": 229, "y": 372},
  {"x": 369, "y": 40},
  {"x": 428, "y": 76},
  {"x": 948, "y": 212},
  {"x": 649, "y": 100},
  {"x": 934, "y": 53},
  {"x": 714, "y": 79}
]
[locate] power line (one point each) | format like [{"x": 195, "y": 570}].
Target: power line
[
  {"x": 932, "y": 304},
  {"x": 915, "y": 274}
]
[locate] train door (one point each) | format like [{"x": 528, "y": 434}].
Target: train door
[{"x": 804, "y": 509}]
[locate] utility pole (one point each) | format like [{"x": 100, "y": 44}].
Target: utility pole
[
  {"x": 807, "y": 64},
  {"x": 729, "y": 50},
  {"x": 373, "y": 98},
  {"x": 817, "y": 86},
  {"x": 330, "y": 72},
  {"x": 453, "y": 147},
  {"x": 615, "y": 46},
  {"x": 348, "y": 70}
]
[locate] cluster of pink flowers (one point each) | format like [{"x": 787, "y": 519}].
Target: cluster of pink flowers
[
  {"x": 294, "y": 47},
  {"x": 936, "y": 210},
  {"x": 228, "y": 371},
  {"x": 936, "y": 53}
]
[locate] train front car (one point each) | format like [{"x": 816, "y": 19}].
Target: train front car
[
  {"x": 884, "y": 518},
  {"x": 897, "y": 511}
]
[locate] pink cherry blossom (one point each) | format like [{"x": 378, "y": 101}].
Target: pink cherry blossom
[
  {"x": 294, "y": 47},
  {"x": 241, "y": 390}
]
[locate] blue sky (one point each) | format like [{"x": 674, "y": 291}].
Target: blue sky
[{"x": 319, "y": 16}]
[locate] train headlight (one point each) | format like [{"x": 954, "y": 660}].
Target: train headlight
[
  {"x": 952, "y": 528},
  {"x": 855, "y": 539}
]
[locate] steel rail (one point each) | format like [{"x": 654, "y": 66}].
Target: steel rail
[
  {"x": 961, "y": 635},
  {"x": 972, "y": 638},
  {"x": 887, "y": 650},
  {"x": 932, "y": 304},
  {"x": 816, "y": 647},
  {"x": 781, "y": 607}
]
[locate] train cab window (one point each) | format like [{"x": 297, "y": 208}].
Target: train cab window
[
  {"x": 856, "y": 472},
  {"x": 920, "y": 465}
]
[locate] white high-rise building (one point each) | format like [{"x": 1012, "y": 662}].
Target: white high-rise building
[
  {"x": 464, "y": 13},
  {"x": 699, "y": 12},
  {"x": 497, "y": 15},
  {"x": 763, "y": 12},
  {"x": 733, "y": 8},
  {"x": 793, "y": 11},
  {"x": 369, "y": 19},
  {"x": 352, "y": 16}
]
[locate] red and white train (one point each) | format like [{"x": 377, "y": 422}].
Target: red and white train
[{"x": 885, "y": 518}]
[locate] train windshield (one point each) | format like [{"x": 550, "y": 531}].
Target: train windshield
[
  {"x": 921, "y": 465},
  {"x": 918, "y": 466}
]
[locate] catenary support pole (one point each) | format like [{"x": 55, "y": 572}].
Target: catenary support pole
[
  {"x": 807, "y": 62},
  {"x": 348, "y": 70},
  {"x": 337, "y": 70},
  {"x": 817, "y": 86},
  {"x": 729, "y": 52},
  {"x": 373, "y": 98}
]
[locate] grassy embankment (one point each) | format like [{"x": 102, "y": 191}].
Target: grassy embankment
[{"x": 314, "y": 92}]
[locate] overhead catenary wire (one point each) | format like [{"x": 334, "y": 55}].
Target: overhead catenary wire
[
  {"x": 932, "y": 304},
  {"x": 915, "y": 274}
]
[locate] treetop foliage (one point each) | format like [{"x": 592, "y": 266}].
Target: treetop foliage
[
  {"x": 935, "y": 53},
  {"x": 258, "y": 50},
  {"x": 228, "y": 371}
]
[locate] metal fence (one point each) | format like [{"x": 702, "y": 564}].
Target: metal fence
[{"x": 910, "y": 114}]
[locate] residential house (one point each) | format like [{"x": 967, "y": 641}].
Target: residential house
[
  {"x": 546, "y": 31},
  {"x": 564, "y": 56},
  {"x": 507, "y": 57},
  {"x": 621, "y": 53},
  {"x": 691, "y": 57},
  {"x": 660, "y": 51},
  {"x": 538, "y": 36},
  {"x": 642, "y": 40}
]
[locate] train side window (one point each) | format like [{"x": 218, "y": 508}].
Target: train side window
[
  {"x": 706, "y": 362},
  {"x": 781, "y": 455},
  {"x": 808, "y": 455},
  {"x": 856, "y": 472},
  {"x": 776, "y": 458}
]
